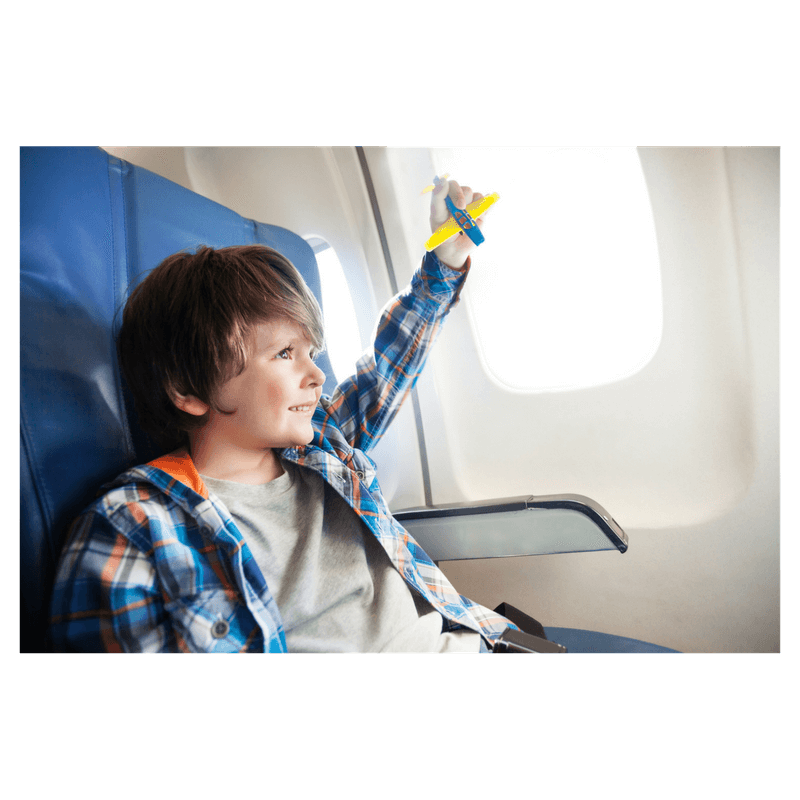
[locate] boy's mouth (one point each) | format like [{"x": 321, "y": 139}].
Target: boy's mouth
[{"x": 302, "y": 409}]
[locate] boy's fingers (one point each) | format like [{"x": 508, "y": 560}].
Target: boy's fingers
[{"x": 460, "y": 195}]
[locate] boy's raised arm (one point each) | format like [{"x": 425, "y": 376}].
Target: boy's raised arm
[{"x": 364, "y": 404}]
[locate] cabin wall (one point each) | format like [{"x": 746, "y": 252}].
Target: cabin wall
[{"x": 709, "y": 584}]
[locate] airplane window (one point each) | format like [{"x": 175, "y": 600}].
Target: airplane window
[
  {"x": 341, "y": 329},
  {"x": 567, "y": 289}
]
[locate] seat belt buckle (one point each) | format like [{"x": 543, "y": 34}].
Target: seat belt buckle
[{"x": 513, "y": 641}]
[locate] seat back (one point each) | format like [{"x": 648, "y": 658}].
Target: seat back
[{"x": 91, "y": 226}]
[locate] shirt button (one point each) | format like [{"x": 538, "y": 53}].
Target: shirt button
[
  {"x": 360, "y": 474},
  {"x": 220, "y": 628}
]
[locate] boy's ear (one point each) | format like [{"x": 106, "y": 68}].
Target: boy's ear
[{"x": 190, "y": 404}]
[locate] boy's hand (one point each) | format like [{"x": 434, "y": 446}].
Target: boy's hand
[{"x": 453, "y": 252}]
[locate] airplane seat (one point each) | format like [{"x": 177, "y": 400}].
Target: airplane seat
[
  {"x": 582, "y": 641},
  {"x": 92, "y": 226}
]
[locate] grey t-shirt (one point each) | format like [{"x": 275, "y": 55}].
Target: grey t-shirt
[{"x": 334, "y": 584}]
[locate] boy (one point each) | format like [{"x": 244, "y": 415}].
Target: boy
[{"x": 265, "y": 529}]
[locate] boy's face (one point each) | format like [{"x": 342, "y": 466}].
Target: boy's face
[{"x": 275, "y": 397}]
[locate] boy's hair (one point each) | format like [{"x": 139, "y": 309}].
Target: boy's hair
[{"x": 186, "y": 328}]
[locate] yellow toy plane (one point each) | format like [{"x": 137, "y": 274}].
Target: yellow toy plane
[{"x": 461, "y": 220}]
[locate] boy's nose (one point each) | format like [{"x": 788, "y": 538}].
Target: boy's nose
[{"x": 315, "y": 376}]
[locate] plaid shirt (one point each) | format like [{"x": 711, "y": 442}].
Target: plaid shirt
[{"x": 158, "y": 564}]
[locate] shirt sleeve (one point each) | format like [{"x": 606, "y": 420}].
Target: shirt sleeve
[
  {"x": 364, "y": 405},
  {"x": 105, "y": 597}
]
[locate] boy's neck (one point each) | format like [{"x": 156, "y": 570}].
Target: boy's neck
[{"x": 234, "y": 464}]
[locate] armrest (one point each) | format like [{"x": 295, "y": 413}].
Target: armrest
[{"x": 514, "y": 526}]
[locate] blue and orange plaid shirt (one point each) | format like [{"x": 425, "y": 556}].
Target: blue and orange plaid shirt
[{"x": 158, "y": 564}]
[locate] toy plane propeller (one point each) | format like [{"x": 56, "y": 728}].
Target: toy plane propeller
[{"x": 461, "y": 220}]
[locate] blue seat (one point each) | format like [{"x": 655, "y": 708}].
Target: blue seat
[
  {"x": 581, "y": 641},
  {"x": 91, "y": 227}
]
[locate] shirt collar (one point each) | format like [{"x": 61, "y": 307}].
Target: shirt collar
[{"x": 179, "y": 465}]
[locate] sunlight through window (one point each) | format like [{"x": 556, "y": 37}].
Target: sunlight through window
[
  {"x": 566, "y": 291},
  {"x": 341, "y": 329}
]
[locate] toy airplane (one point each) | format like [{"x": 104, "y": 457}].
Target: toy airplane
[{"x": 461, "y": 220}]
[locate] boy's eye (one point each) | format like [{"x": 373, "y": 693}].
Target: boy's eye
[{"x": 287, "y": 352}]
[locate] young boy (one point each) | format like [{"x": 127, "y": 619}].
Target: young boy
[{"x": 265, "y": 530}]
